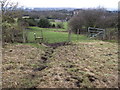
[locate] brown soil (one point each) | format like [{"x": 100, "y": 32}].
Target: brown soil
[{"x": 80, "y": 65}]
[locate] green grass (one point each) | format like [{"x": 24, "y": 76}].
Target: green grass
[
  {"x": 53, "y": 37},
  {"x": 46, "y": 29},
  {"x": 65, "y": 24}
]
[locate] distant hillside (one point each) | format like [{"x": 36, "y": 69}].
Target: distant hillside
[
  {"x": 50, "y": 9},
  {"x": 56, "y": 9}
]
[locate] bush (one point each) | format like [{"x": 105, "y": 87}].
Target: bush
[
  {"x": 60, "y": 25},
  {"x": 76, "y": 23},
  {"x": 11, "y": 32},
  {"x": 98, "y": 18},
  {"x": 53, "y": 25},
  {"x": 44, "y": 23},
  {"x": 30, "y": 21}
]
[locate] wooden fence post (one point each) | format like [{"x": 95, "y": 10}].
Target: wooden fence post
[
  {"x": 42, "y": 35},
  {"x": 69, "y": 35},
  {"x": 24, "y": 40},
  {"x": 77, "y": 34},
  {"x": 104, "y": 34}
]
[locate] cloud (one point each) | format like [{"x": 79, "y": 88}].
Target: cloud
[{"x": 69, "y": 3}]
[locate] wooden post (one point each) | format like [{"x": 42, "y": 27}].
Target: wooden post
[
  {"x": 104, "y": 34},
  {"x": 42, "y": 35},
  {"x": 40, "y": 38},
  {"x": 12, "y": 34},
  {"x": 77, "y": 34},
  {"x": 35, "y": 37},
  {"x": 26, "y": 33},
  {"x": 88, "y": 34},
  {"x": 24, "y": 40},
  {"x": 69, "y": 36}
]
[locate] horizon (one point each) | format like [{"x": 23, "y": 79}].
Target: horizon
[
  {"x": 111, "y": 9},
  {"x": 81, "y": 4}
]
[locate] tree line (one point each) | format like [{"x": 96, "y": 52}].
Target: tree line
[
  {"x": 97, "y": 18},
  {"x": 15, "y": 27}
]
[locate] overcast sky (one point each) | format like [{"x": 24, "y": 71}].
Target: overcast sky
[{"x": 111, "y": 4}]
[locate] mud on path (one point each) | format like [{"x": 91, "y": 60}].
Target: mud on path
[{"x": 80, "y": 65}]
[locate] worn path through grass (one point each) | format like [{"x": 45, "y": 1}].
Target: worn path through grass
[{"x": 79, "y": 65}]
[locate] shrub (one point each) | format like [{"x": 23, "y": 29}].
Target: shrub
[
  {"x": 60, "y": 25},
  {"x": 30, "y": 21},
  {"x": 44, "y": 23},
  {"x": 98, "y": 18},
  {"x": 53, "y": 25}
]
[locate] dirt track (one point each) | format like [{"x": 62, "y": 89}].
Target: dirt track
[{"x": 93, "y": 64}]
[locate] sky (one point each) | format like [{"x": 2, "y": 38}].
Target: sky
[{"x": 108, "y": 4}]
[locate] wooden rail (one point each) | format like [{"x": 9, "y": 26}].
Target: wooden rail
[{"x": 96, "y": 32}]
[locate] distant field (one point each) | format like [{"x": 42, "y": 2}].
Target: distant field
[
  {"x": 65, "y": 24},
  {"x": 46, "y": 29},
  {"x": 52, "y": 36}
]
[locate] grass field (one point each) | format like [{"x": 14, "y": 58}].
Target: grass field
[
  {"x": 65, "y": 24},
  {"x": 51, "y": 35},
  {"x": 46, "y": 29}
]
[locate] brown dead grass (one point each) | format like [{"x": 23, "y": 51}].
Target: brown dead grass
[
  {"x": 96, "y": 63},
  {"x": 18, "y": 64},
  {"x": 82, "y": 65}
]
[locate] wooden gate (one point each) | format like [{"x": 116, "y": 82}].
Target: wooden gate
[{"x": 96, "y": 32}]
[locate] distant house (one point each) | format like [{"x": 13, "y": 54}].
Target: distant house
[
  {"x": 26, "y": 16},
  {"x": 57, "y": 20},
  {"x": 37, "y": 20},
  {"x": 77, "y": 11}
]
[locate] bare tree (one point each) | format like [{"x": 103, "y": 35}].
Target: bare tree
[
  {"x": 7, "y": 6},
  {"x": 9, "y": 26},
  {"x": 99, "y": 18},
  {"x": 76, "y": 23}
]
